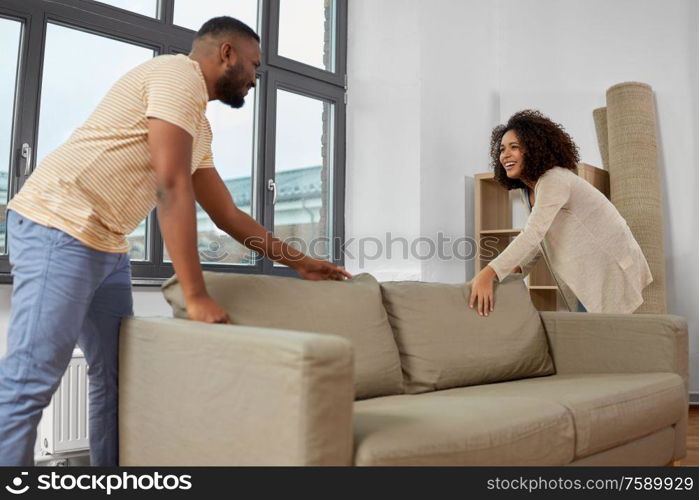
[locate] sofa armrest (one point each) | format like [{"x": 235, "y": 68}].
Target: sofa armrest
[
  {"x": 617, "y": 343},
  {"x": 193, "y": 393},
  {"x": 622, "y": 343}
]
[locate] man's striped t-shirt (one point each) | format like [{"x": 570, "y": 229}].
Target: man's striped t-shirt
[{"x": 99, "y": 185}]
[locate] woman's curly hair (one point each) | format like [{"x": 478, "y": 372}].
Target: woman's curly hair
[{"x": 545, "y": 145}]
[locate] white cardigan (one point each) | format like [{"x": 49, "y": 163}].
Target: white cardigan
[{"x": 590, "y": 246}]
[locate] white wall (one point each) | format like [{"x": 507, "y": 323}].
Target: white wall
[
  {"x": 416, "y": 116},
  {"x": 383, "y": 174},
  {"x": 482, "y": 60},
  {"x": 459, "y": 105}
]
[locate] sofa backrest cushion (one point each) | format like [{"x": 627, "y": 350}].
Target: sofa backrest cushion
[
  {"x": 443, "y": 343},
  {"x": 351, "y": 309}
]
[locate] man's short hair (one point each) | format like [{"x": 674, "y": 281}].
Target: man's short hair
[{"x": 226, "y": 24}]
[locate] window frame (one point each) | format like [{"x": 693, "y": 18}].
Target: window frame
[
  {"x": 291, "y": 82},
  {"x": 338, "y": 76},
  {"x": 163, "y": 37}
]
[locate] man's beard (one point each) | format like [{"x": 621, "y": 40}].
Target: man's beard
[{"x": 231, "y": 87}]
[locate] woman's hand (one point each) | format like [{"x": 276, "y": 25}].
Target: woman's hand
[{"x": 482, "y": 291}]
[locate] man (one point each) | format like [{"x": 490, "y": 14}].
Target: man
[{"x": 148, "y": 143}]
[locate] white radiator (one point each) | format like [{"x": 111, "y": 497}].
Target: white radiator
[{"x": 64, "y": 424}]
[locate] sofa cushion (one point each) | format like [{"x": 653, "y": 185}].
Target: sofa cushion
[
  {"x": 608, "y": 409},
  {"x": 654, "y": 450},
  {"x": 443, "y": 343},
  {"x": 351, "y": 309},
  {"x": 488, "y": 430}
]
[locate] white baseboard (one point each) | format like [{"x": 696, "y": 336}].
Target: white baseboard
[{"x": 694, "y": 398}]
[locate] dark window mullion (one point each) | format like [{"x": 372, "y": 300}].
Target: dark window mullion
[
  {"x": 167, "y": 11},
  {"x": 261, "y": 213},
  {"x": 29, "y": 86},
  {"x": 272, "y": 33},
  {"x": 338, "y": 185},
  {"x": 264, "y": 29},
  {"x": 341, "y": 39},
  {"x": 156, "y": 238},
  {"x": 268, "y": 170}
]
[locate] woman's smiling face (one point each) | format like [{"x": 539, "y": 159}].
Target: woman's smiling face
[{"x": 511, "y": 155}]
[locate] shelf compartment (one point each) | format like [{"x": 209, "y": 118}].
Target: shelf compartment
[
  {"x": 544, "y": 299},
  {"x": 491, "y": 245},
  {"x": 493, "y": 202},
  {"x": 541, "y": 275}
]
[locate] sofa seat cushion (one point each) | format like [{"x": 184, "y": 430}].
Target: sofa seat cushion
[
  {"x": 351, "y": 309},
  {"x": 608, "y": 410},
  {"x": 488, "y": 430},
  {"x": 654, "y": 450},
  {"x": 443, "y": 343}
]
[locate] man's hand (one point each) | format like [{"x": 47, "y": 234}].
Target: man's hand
[
  {"x": 482, "y": 291},
  {"x": 317, "y": 270},
  {"x": 171, "y": 156},
  {"x": 205, "y": 309}
]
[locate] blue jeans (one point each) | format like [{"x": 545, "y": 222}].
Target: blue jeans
[{"x": 63, "y": 293}]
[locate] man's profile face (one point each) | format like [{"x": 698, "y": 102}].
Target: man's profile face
[{"x": 239, "y": 78}]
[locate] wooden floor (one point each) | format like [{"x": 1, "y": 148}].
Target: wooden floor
[{"x": 692, "y": 438}]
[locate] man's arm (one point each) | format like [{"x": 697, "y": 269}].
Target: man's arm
[
  {"x": 213, "y": 196},
  {"x": 171, "y": 152}
]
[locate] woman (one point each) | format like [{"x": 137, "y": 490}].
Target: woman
[{"x": 586, "y": 242}]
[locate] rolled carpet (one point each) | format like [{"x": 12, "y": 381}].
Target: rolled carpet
[
  {"x": 635, "y": 180},
  {"x": 600, "y": 117}
]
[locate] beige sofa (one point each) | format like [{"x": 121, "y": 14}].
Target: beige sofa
[{"x": 362, "y": 373}]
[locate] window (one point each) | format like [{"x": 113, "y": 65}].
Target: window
[
  {"x": 144, "y": 7},
  {"x": 10, "y": 33},
  {"x": 234, "y": 155},
  {"x": 314, "y": 45},
  {"x": 302, "y": 212},
  {"x": 71, "y": 88},
  {"x": 192, "y": 14},
  {"x": 281, "y": 155},
  {"x": 67, "y": 102}
]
